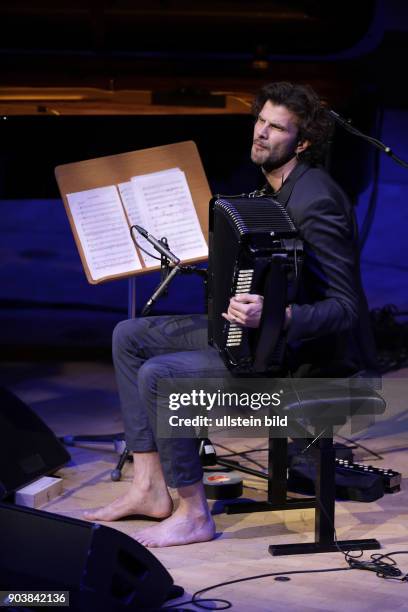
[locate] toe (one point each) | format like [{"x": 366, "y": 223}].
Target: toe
[{"x": 90, "y": 516}]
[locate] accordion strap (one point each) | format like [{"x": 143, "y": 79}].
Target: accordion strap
[{"x": 273, "y": 315}]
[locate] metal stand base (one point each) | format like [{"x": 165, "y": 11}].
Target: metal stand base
[
  {"x": 323, "y": 503},
  {"x": 265, "y": 506},
  {"x": 117, "y": 439},
  {"x": 310, "y": 548}
]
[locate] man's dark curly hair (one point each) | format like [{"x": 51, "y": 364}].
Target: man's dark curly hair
[{"x": 313, "y": 120}]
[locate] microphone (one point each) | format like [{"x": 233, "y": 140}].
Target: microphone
[
  {"x": 159, "y": 246},
  {"x": 339, "y": 119}
]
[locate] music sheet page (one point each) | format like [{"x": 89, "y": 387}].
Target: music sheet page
[
  {"x": 103, "y": 231},
  {"x": 165, "y": 208},
  {"x": 134, "y": 216}
]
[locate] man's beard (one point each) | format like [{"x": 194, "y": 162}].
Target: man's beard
[{"x": 272, "y": 162}]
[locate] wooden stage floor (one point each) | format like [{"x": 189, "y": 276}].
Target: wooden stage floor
[{"x": 80, "y": 397}]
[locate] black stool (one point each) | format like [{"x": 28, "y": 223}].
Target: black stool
[{"x": 322, "y": 407}]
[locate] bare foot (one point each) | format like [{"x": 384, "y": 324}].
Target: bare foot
[
  {"x": 154, "y": 502},
  {"x": 180, "y": 528}
]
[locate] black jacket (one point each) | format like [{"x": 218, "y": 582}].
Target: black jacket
[{"x": 329, "y": 334}]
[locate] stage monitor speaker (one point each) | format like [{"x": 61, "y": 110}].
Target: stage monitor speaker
[
  {"x": 28, "y": 448},
  {"x": 102, "y": 568}
]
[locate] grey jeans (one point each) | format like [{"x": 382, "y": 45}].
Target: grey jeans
[{"x": 144, "y": 351}]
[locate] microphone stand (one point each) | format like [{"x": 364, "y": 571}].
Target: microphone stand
[
  {"x": 346, "y": 124},
  {"x": 166, "y": 276}
]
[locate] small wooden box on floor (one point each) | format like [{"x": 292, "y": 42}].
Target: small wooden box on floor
[{"x": 39, "y": 492}]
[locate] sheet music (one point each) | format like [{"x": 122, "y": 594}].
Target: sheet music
[
  {"x": 135, "y": 218},
  {"x": 103, "y": 231},
  {"x": 165, "y": 208}
]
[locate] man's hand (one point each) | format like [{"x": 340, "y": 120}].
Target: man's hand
[{"x": 245, "y": 309}]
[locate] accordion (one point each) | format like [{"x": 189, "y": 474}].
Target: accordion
[{"x": 253, "y": 248}]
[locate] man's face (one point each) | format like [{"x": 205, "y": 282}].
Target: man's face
[{"x": 275, "y": 137}]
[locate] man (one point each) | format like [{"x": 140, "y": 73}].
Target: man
[{"x": 327, "y": 327}]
